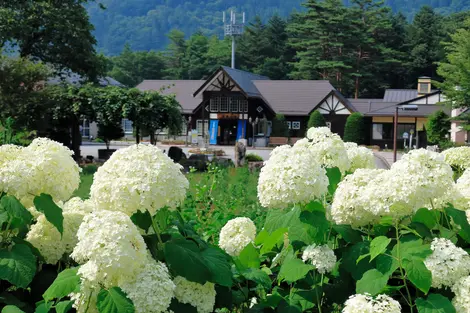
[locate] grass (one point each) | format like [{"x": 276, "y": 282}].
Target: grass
[{"x": 213, "y": 198}]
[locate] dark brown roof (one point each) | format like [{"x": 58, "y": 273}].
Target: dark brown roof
[
  {"x": 290, "y": 97},
  {"x": 401, "y": 95},
  {"x": 377, "y": 107},
  {"x": 183, "y": 89}
]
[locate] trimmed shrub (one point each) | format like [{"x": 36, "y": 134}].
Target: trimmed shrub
[
  {"x": 316, "y": 120},
  {"x": 280, "y": 128},
  {"x": 437, "y": 128},
  {"x": 252, "y": 157},
  {"x": 354, "y": 131}
]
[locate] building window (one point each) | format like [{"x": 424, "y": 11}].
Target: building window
[
  {"x": 199, "y": 127},
  {"x": 289, "y": 124},
  {"x": 245, "y": 106},
  {"x": 234, "y": 104},
  {"x": 423, "y": 88},
  {"x": 127, "y": 126},
  {"x": 214, "y": 107},
  {"x": 224, "y": 104},
  {"x": 85, "y": 129},
  {"x": 296, "y": 125},
  {"x": 385, "y": 131}
]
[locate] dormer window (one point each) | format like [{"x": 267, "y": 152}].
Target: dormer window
[{"x": 423, "y": 88}]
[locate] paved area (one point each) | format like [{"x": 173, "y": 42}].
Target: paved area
[
  {"x": 382, "y": 159},
  {"x": 387, "y": 155}
]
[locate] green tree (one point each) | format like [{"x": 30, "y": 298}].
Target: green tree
[
  {"x": 438, "y": 127},
  {"x": 196, "y": 60},
  {"x": 108, "y": 132},
  {"x": 175, "y": 55},
  {"x": 218, "y": 53},
  {"x": 455, "y": 70},
  {"x": 316, "y": 120},
  {"x": 254, "y": 46},
  {"x": 280, "y": 128},
  {"x": 319, "y": 37},
  {"x": 354, "y": 130},
  {"x": 131, "y": 68},
  {"x": 55, "y": 32}
]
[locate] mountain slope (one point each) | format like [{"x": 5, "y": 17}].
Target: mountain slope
[{"x": 145, "y": 23}]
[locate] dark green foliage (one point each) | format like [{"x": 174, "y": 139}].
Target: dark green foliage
[
  {"x": 354, "y": 131},
  {"x": 280, "y": 128},
  {"x": 316, "y": 120},
  {"x": 108, "y": 132},
  {"x": 252, "y": 157},
  {"x": 438, "y": 127}
]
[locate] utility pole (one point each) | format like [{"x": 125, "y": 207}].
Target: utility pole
[{"x": 232, "y": 29}]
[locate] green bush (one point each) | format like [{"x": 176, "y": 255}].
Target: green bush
[
  {"x": 438, "y": 127},
  {"x": 108, "y": 132},
  {"x": 89, "y": 169},
  {"x": 252, "y": 157},
  {"x": 354, "y": 131},
  {"x": 316, "y": 120},
  {"x": 280, "y": 128}
]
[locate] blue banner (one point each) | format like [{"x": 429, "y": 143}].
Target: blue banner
[
  {"x": 213, "y": 130},
  {"x": 241, "y": 129}
]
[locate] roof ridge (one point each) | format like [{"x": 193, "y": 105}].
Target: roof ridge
[{"x": 242, "y": 71}]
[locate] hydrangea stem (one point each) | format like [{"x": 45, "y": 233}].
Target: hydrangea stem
[{"x": 410, "y": 301}]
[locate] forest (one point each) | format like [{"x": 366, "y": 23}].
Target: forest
[
  {"x": 377, "y": 49},
  {"x": 145, "y": 23}
]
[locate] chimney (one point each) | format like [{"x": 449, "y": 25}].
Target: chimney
[{"x": 424, "y": 85}]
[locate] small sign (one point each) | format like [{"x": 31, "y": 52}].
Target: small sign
[
  {"x": 406, "y": 135},
  {"x": 194, "y": 136},
  {"x": 227, "y": 116}
]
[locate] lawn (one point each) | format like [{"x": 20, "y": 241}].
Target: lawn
[{"x": 83, "y": 190}]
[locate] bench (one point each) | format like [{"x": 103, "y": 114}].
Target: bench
[
  {"x": 293, "y": 140},
  {"x": 278, "y": 141}
]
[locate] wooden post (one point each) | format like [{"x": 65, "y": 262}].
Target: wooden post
[{"x": 395, "y": 129}]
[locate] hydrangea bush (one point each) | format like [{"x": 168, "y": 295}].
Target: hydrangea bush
[{"x": 339, "y": 236}]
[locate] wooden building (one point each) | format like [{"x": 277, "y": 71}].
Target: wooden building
[{"x": 222, "y": 106}]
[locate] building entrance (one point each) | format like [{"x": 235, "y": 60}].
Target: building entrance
[{"x": 227, "y": 132}]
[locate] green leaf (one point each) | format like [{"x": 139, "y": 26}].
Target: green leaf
[
  {"x": 378, "y": 246},
  {"x": 16, "y": 212},
  {"x": 272, "y": 240},
  {"x": 373, "y": 282},
  {"x": 114, "y": 300},
  {"x": 435, "y": 303},
  {"x": 261, "y": 237},
  {"x": 334, "y": 177},
  {"x": 315, "y": 206},
  {"x": 178, "y": 307},
  {"x": 386, "y": 264},
  {"x": 258, "y": 276},
  {"x": 142, "y": 220},
  {"x": 279, "y": 219},
  {"x": 63, "y": 307},
  {"x": 293, "y": 269},
  {"x": 460, "y": 219},
  {"x": 426, "y": 217},
  {"x": 11, "y": 309},
  {"x": 17, "y": 266},
  {"x": 306, "y": 299},
  {"x": 66, "y": 282},
  {"x": 418, "y": 274},
  {"x": 53, "y": 213},
  {"x": 43, "y": 307},
  {"x": 249, "y": 257},
  {"x": 348, "y": 234},
  {"x": 350, "y": 257},
  {"x": 285, "y": 307},
  {"x": 411, "y": 250},
  {"x": 162, "y": 218},
  {"x": 184, "y": 259},
  {"x": 218, "y": 263}
]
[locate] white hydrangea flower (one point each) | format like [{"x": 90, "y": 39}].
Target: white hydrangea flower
[
  {"x": 322, "y": 257},
  {"x": 463, "y": 190},
  {"x": 447, "y": 263},
  {"x": 202, "y": 297},
  {"x": 152, "y": 289},
  {"x": 236, "y": 235},
  {"x": 360, "y": 157},
  {"x": 140, "y": 177},
  {"x": 467, "y": 213},
  {"x": 461, "y": 300},
  {"x": 351, "y": 203},
  {"x": 47, "y": 239},
  {"x": 85, "y": 300},
  {"x": 366, "y": 304},
  {"x": 111, "y": 247},
  {"x": 45, "y": 166},
  {"x": 291, "y": 176},
  {"x": 458, "y": 157},
  {"x": 328, "y": 147},
  {"x": 9, "y": 153}
]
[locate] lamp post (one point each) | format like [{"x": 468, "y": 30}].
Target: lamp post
[
  {"x": 405, "y": 107},
  {"x": 253, "y": 124},
  {"x": 188, "y": 124}
]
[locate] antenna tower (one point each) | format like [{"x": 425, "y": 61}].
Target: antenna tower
[{"x": 232, "y": 29}]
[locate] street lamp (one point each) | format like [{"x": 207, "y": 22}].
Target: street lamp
[
  {"x": 405, "y": 107},
  {"x": 188, "y": 124},
  {"x": 253, "y": 124}
]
